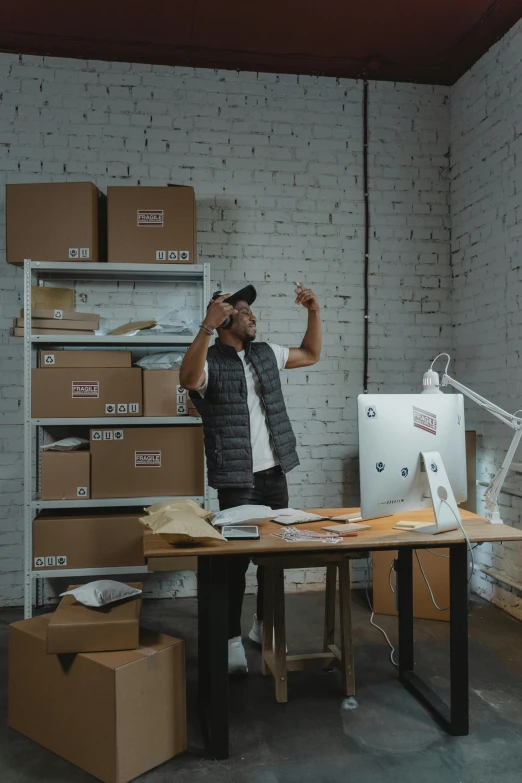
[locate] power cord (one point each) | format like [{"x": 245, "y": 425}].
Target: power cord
[{"x": 390, "y": 645}]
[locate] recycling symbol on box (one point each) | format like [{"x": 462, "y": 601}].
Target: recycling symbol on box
[
  {"x": 82, "y": 491},
  {"x": 96, "y": 436},
  {"x": 404, "y": 472},
  {"x": 49, "y": 359},
  {"x": 371, "y": 412},
  {"x": 434, "y": 467},
  {"x": 380, "y": 467},
  {"x": 38, "y": 561}
]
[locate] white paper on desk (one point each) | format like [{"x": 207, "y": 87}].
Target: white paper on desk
[
  {"x": 292, "y": 516},
  {"x": 240, "y": 515}
]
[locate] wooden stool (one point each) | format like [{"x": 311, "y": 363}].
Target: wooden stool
[{"x": 275, "y": 661}]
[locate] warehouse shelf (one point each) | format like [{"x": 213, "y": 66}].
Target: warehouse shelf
[
  {"x": 39, "y": 272},
  {"x": 123, "y": 421},
  {"x": 113, "y": 339},
  {"x": 109, "y": 502},
  {"x": 85, "y": 270},
  {"x": 48, "y": 573}
]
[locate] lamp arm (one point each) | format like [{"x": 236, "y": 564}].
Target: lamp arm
[
  {"x": 508, "y": 418},
  {"x": 495, "y": 485}
]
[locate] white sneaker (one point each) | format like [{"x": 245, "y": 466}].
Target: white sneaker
[
  {"x": 237, "y": 662},
  {"x": 256, "y": 634}
]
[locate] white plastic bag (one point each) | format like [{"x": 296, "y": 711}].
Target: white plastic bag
[
  {"x": 102, "y": 592},
  {"x": 67, "y": 444},
  {"x": 175, "y": 322},
  {"x": 161, "y": 361},
  {"x": 241, "y": 514}
]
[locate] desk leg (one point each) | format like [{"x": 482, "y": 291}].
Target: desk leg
[
  {"x": 213, "y": 653},
  {"x": 454, "y": 719}
]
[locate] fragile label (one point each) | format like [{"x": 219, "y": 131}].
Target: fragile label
[
  {"x": 147, "y": 459},
  {"x": 425, "y": 421},
  {"x": 73, "y": 252},
  {"x": 150, "y": 217},
  {"x": 85, "y": 389}
]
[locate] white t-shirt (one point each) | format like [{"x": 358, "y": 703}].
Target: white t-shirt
[{"x": 263, "y": 454}]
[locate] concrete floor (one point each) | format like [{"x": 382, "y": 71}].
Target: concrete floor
[{"x": 315, "y": 737}]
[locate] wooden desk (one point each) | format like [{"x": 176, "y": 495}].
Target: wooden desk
[{"x": 213, "y": 606}]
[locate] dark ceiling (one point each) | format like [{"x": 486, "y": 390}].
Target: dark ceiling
[{"x": 430, "y": 41}]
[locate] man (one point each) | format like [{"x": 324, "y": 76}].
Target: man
[{"x": 249, "y": 442}]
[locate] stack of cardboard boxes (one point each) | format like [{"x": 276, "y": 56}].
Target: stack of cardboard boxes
[
  {"x": 92, "y": 687},
  {"x": 73, "y": 221}
]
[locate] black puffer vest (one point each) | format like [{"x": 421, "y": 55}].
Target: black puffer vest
[{"x": 226, "y": 421}]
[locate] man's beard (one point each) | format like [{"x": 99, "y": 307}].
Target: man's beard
[{"x": 250, "y": 338}]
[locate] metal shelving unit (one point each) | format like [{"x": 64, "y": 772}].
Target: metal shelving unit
[{"x": 36, "y": 272}]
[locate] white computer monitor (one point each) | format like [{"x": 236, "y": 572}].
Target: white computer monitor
[{"x": 393, "y": 431}]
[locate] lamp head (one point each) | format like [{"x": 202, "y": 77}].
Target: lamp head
[{"x": 431, "y": 382}]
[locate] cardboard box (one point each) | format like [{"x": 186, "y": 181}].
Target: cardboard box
[
  {"x": 437, "y": 572},
  {"x": 151, "y": 225},
  {"x": 172, "y": 563},
  {"x": 75, "y": 628},
  {"x": 114, "y": 714},
  {"x": 87, "y": 540},
  {"x": 57, "y": 325},
  {"x": 50, "y": 298},
  {"x": 55, "y": 221},
  {"x": 57, "y": 314},
  {"x": 163, "y": 395},
  {"x": 18, "y": 331},
  {"x": 71, "y": 392},
  {"x": 66, "y": 475},
  {"x": 53, "y": 359},
  {"x": 147, "y": 462}
]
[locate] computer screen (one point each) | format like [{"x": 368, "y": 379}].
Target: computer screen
[{"x": 393, "y": 430}]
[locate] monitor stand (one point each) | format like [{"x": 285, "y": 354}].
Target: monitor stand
[{"x": 443, "y": 500}]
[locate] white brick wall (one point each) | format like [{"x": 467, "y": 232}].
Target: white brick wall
[
  {"x": 276, "y": 162},
  {"x": 486, "y": 207}
]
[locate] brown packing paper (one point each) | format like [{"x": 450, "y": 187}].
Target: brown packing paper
[
  {"x": 133, "y": 326},
  {"x": 75, "y": 628},
  {"x": 182, "y": 522}
]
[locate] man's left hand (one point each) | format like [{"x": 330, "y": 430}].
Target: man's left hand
[{"x": 307, "y": 298}]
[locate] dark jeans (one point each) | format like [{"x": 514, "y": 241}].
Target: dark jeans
[{"x": 270, "y": 490}]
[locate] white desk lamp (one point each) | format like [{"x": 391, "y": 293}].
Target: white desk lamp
[{"x": 431, "y": 384}]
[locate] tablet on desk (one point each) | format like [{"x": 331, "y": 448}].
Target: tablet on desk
[{"x": 231, "y": 532}]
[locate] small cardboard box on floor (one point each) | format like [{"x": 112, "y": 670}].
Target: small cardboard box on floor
[
  {"x": 96, "y": 540},
  {"x": 436, "y": 569},
  {"x": 151, "y": 225},
  {"x": 114, "y": 714},
  {"x": 66, "y": 475},
  {"x": 147, "y": 462},
  {"x": 75, "y": 628},
  {"x": 84, "y": 392},
  {"x": 54, "y": 221}
]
